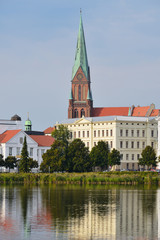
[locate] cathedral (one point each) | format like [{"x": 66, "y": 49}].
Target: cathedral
[{"x": 81, "y": 101}]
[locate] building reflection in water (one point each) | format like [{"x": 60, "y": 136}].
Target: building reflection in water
[{"x": 75, "y": 212}]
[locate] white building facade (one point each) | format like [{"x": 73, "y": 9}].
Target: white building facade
[{"x": 129, "y": 135}]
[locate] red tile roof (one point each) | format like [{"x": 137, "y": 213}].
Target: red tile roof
[
  {"x": 7, "y": 135},
  {"x": 110, "y": 111},
  {"x": 49, "y": 130},
  {"x": 140, "y": 111},
  {"x": 42, "y": 140},
  {"x": 155, "y": 112}
]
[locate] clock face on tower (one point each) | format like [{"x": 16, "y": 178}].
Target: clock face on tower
[{"x": 79, "y": 76}]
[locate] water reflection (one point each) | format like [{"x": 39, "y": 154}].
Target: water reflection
[{"x": 76, "y": 212}]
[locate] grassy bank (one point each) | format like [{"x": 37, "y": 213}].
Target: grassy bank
[{"x": 131, "y": 178}]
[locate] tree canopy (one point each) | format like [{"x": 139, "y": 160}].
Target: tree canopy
[
  {"x": 10, "y": 162},
  {"x": 2, "y": 163},
  {"x": 99, "y": 155},
  {"x": 148, "y": 157},
  {"x": 114, "y": 157},
  {"x": 61, "y": 133},
  {"x": 55, "y": 158},
  {"x": 78, "y": 157}
]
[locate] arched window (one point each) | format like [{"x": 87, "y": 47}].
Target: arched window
[
  {"x": 75, "y": 113},
  {"x": 82, "y": 112},
  {"x": 79, "y": 92},
  {"x": 84, "y": 91},
  {"x": 75, "y": 92}
]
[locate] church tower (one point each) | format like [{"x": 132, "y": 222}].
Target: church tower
[{"x": 80, "y": 101}]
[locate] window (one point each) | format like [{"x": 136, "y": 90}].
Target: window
[
  {"x": 143, "y": 133},
  {"x": 127, "y": 156},
  {"x": 79, "y": 92},
  {"x": 126, "y": 133},
  {"x": 121, "y": 132},
  {"x": 82, "y": 113},
  {"x": 94, "y": 144},
  {"x": 21, "y": 140},
  {"x": 102, "y": 133},
  {"x": 79, "y": 134},
  {"x": 71, "y": 135},
  {"x": 132, "y": 156},
  {"x": 10, "y": 151},
  {"x": 132, "y": 166},
  {"x": 106, "y": 133},
  {"x": 83, "y": 133},
  {"x": 18, "y": 150},
  {"x": 137, "y": 156},
  {"x": 111, "y": 144},
  {"x": 88, "y": 144},
  {"x": 121, "y": 144},
  {"x": 152, "y": 133},
  {"x": 127, "y": 165},
  {"x": 143, "y": 145},
  {"x": 137, "y": 133},
  {"x": 31, "y": 152},
  {"x": 132, "y": 144},
  {"x": 74, "y": 134},
  {"x": 88, "y": 134},
  {"x": 111, "y": 132},
  {"x": 137, "y": 144},
  {"x": 152, "y": 144},
  {"x": 98, "y": 133},
  {"x": 76, "y": 113},
  {"x": 132, "y": 133},
  {"x": 126, "y": 144},
  {"x": 42, "y": 151},
  {"x": 121, "y": 156},
  {"x": 94, "y": 133}
]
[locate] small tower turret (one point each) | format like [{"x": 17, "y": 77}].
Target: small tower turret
[{"x": 28, "y": 124}]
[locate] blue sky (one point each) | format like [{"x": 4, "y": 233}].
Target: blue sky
[{"x": 37, "y": 49}]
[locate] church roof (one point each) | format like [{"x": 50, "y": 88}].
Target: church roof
[
  {"x": 49, "y": 130},
  {"x": 42, "y": 140},
  {"x": 110, "y": 111},
  {"x": 81, "y": 53},
  {"x": 7, "y": 135}
]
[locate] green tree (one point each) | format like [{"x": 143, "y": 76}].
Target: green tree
[
  {"x": 55, "y": 158},
  {"x": 24, "y": 160},
  {"x": 148, "y": 157},
  {"x": 62, "y": 134},
  {"x": 10, "y": 162},
  {"x": 114, "y": 157},
  {"x": 2, "y": 163},
  {"x": 32, "y": 163},
  {"x": 78, "y": 157},
  {"x": 99, "y": 155}
]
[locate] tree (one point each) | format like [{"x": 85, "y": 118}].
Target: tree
[
  {"x": 10, "y": 162},
  {"x": 62, "y": 134},
  {"x": 2, "y": 163},
  {"x": 114, "y": 157},
  {"x": 24, "y": 160},
  {"x": 148, "y": 157},
  {"x": 78, "y": 157},
  {"x": 99, "y": 155},
  {"x": 55, "y": 158},
  {"x": 26, "y": 163}
]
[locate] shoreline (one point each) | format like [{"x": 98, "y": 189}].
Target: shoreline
[{"x": 109, "y": 178}]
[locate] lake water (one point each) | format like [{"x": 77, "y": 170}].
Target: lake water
[{"x": 78, "y": 212}]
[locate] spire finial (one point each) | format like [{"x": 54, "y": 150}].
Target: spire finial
[
  {"x": 80, "y": 11},
  {"x": 28, "y": 115}
]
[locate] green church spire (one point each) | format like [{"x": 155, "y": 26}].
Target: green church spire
[{"x": 81, "y": 53}]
